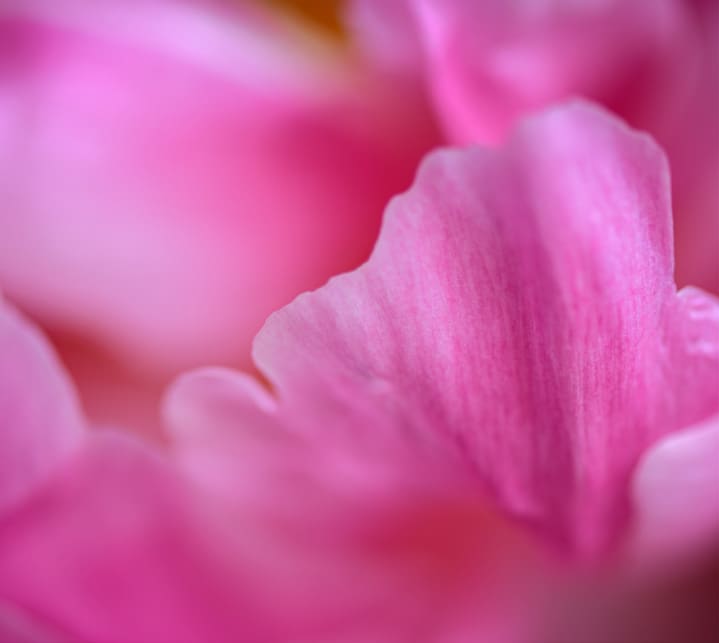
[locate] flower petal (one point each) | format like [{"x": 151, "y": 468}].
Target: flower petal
[
  {"x": 120, "y": 548},
  {"x": 41, "y": 422},
  {"x": 491, "y": 62},
  {"x": 237, "y": 161},
  {"x": 676, "y": 493},
  {"x": 517, "y": 315},
  {"x": 655, "y": 63}
]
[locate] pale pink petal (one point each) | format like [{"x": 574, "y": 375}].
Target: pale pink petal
[
  {"x": 518, "y": 320},
  {"x": 40, "y": 423},
  {"x": 172, "y": 173},
  {"x": 676, "y": 494}
]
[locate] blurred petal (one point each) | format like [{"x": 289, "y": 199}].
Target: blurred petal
[
  {"x": 517, "y": 319},
  {"x": 491, "y": 62},
  {"x": 655, "y": 63},
  {"x": 172, "y": 173},
  {"x": 120, "y": 548},
  {"x": 18, "y": 626},
  {"x": 41, "y": 423},
  {"x": 387, "y": 31},
  {"x": 419, "y": 548},
  {"x": 676, "y": 493}
]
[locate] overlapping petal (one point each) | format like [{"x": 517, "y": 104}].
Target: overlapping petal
[
  {"x": 515, "y": 340},
  {"x": 488, "y": 63},
  {"x": 492, "y": 374},
  {"x": 491, "y": 62},
  {"x": 121, "y": 548},
  {"x": 676, "y": 492},
  {"x": 427, "y": 554},
  {"x": 518, "y": 321},
  {"x": 40, "y": 421}
]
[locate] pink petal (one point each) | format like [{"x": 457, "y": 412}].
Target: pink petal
[
  {"x": 40, "y": 420},
  {"x": 120, "y": 548},
  {"x": 17, "y": 626},
  {"x": 417, "y": 548},
  {"x": 517, "y": 320},
  {"x": 172, "y": 173},
  {"x": 676, "y": 493},
  {"x": 388, "y": 31},
  {"x": 487, "y": 63},
  {"x": 490, "y": 62}
]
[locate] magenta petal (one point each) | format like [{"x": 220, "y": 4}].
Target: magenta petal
[
  {"x": 676, "y": 493},
  {"x": 518, "y": 314},
  {"x": 39, "y": 414}
]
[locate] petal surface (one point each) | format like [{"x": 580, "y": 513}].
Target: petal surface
[
  {"x": 118, "y": 549},
  {"x": 515, "y": 340},
  {"x": 676, "y": 492},
  {"x": 174, "y": 171},
  {"x": 40, "y": 422},
  {"x": 121, "y": 548},
  {"x": 491, "y": 62},
  {"x": 518, "y": 317},
  {"x": 488, "y": 63}
]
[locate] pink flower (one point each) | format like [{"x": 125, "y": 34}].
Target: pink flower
[
  {"x": 478, "y": 435},
  {"x": 175, "y": 171},
  {"x": 486, "y": 63}
]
